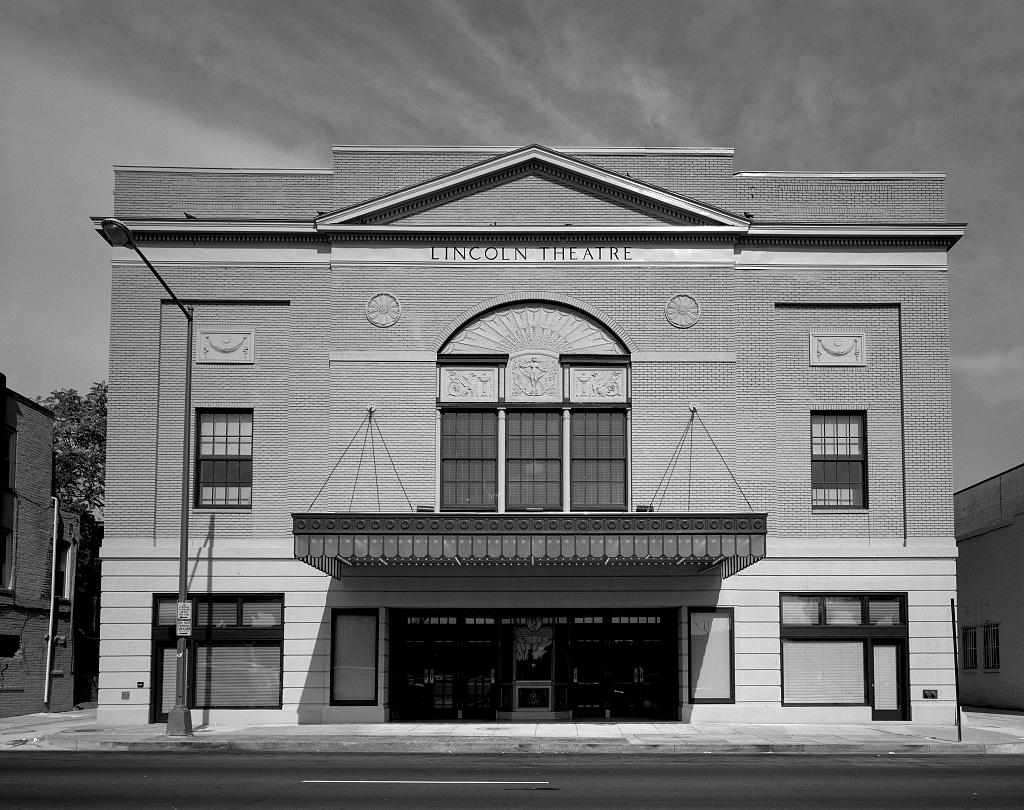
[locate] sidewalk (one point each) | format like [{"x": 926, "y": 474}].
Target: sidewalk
[{"x": 984, "y": 732}]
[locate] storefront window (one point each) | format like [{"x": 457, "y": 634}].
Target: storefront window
[
  {"x": 234, "y": 656},
  {"x": 823, "y": 672},
  {"x": 711, "y": 654},
  {"x": 354, "y": 658}
]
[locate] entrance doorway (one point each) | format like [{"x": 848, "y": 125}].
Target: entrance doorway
[
  {"x": 532, "y": 665},
  {"x": 888, "y": 692}
]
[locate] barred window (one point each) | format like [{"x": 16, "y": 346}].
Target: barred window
[
  {"x": 224, "y": 459},
  {"x": 469, "y": 460},
  {"x": 838, "y": 460},
  {"x": 990, "y": 634},
  {"x": 969, "y": 646},
  {"x": 534, "y": 460},
  {"x": 598, "y": 460}
]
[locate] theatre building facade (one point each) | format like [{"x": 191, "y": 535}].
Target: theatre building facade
[{"x": 532, "y": 434}]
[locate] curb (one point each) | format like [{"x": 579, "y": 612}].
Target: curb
[{"x": 493, "y": 746}]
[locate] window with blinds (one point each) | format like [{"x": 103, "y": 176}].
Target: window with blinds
[
  {"x": 839, "y": 610},
  {"x": 469, "y": 460},
  {"x": 598, "y": 459},
  {"x": 242, "y": 675},
  {"x": 233, "y": 657},
  {"x": 823, "y": 672},
  {"x": 533, "y": 471}
]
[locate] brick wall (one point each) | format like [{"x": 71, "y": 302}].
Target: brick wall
[{"x": 24, "y": 608}]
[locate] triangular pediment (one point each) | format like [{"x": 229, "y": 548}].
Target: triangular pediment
[{"x": 532, "y": 187}]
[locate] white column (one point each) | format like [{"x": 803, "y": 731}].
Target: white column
[
  {"x": 501, "y": 459},
  {"x": 566, "y": 460},
  {"x": 629, "y": 459},
  {"x": 437, "y": 461}
]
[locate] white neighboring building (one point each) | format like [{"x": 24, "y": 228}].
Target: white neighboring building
[{"x": 990, "y": 570}]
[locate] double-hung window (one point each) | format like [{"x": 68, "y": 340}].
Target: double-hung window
[
  {"x": 224, "y": 459},
  {"x": 838, "y": 460}
]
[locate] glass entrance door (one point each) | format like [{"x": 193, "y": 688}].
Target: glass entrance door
[
  {"x": 642, "y": 654},
  {"x": 887, "y": 692}
]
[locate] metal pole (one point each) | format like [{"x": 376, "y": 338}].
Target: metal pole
[
  {"x": 956, "y": 673},
  {"x": 179, "y": 718}
]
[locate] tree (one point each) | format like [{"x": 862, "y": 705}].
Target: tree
[
  {"x": 80, "y": 447},
  {"x": 79, "y": 474}
]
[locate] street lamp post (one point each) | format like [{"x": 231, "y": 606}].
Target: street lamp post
[{"x": 179, "y": 719}]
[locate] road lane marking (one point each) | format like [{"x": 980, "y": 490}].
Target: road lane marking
[{"x": 411, "y": 782}]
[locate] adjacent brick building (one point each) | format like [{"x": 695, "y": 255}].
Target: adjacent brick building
[
  {"x": 989, "y": 524},
  {"x": 35, "y": 535},
  {"x": 533, "y": 434}
]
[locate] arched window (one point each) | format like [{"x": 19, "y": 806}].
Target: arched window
[{"x": 533, "y": 413}]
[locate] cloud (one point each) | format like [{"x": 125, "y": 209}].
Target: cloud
[{"x": 996, "y": 375}]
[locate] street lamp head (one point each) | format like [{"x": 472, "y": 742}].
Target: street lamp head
[{"x": 117, "y": 233}]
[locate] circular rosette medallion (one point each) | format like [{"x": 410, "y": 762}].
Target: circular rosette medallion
[
  {"x": 682, "y": 311},
  {"x": 383, "y": 310}
]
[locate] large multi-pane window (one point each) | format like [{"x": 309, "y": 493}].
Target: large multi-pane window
[
  {"x": 224, "y": 459},
  {"x": 838, "y": 460},
  {"x": 535, "y": 462},
  {"x": 533, "y": 470},
  {"x": 829, "y": 641},
  {"x": 469, "y": 460},
  {"x": 990, "y": 637},
  {"x": 598, "y": 460},
  {"x": 235, "y": 656}
]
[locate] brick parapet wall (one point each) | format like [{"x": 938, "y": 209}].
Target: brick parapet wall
[{"x": 358, "y": 176}]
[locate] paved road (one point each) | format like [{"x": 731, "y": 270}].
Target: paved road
[{"x": 114, "y": 780}]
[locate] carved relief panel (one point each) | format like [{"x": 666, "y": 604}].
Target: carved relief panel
[
  {"x": 597, "y": 384},
  {"x": 467, "y": 384},
  {"x": 225, "y": 345},
  {"x": 534, "y": 377},
  {"x": 838, "y": 349}
]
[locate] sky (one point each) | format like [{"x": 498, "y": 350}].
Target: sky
[{"x": 813, "y": 86}]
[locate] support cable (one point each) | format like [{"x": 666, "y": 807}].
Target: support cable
[
  {"x": 724, "y": 462},
  {"x": 359, "y": 467},
  {"x": 373, "y": 457},
  {"x": 337, "y": 464},
  {"x": 689, "y": 472},
  {"x": 666, "y": 477},
  {"x": 392, "y": 461}
]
